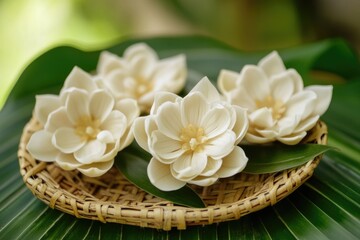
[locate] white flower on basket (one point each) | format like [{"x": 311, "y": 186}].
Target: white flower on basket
[
  {"x": 139, "y": 74},
  {"x": 84, "y": 128},
  {"x": 279, "y": 107},
  {"x": 192, "y": 139}
]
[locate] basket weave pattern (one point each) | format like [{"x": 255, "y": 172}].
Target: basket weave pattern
[{"x": 111, "y": 198}]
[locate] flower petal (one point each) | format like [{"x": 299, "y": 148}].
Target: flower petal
[
  {"x": 140, "y": 49},
  {"x": 216, "y": 121},
  {"x": 188, "y": 166},
  {"x": 287, "y": 125},
  {"x": 227, "y": 81},
  {"x": 91, "y": 152},
  {"x": 111, "y": 151},
  {"x": 101, "y": 104},
  {"x": 204, "y": 181},
  {"x": 115, "y": 123},
  {"x": 67, "y": 140},
  {"x": 169, "y": 120},
  {"x": 193, "y": 109},
  {"x": 272, "y": 64},
  {"x": 230, "y": 110},
  {"x": 301, "y": 104},
  {"x": 40, "y": 147},
  {"x": 109, "y": 62},
  {"x": 120, "y": 84},
  {"x": 161, "y": 177},
  {"x": 170, "y": 74},
  {"x": 96, "y": 169},
  {"x": 292, "y": 139},
  {"x": 127, "y": 138},
  {"x": 252, "y": 138},
  {"x": 77, "y": 105},
  {"x": 261, "y": 118},
  {"x": 105, "y": 137},
  {"x": 241, "y": 98},
  {"x": 298, "y": 81},
  {"x": 146, "y": 100},
  {"x": 143, "y": 60},
  {"x": 164, "y": 148},
  {"x": 139, "y": 133},
  {"x": 307, "y": 124},
  {"x": 221, "y": 145},
  {"x": 150, "y": 125},
  {"x": 67, "y": 161},
  {"x": 268, "y": 133},
  {"x": 58, "y": 119},
  {"x": 142, "y": 129},
  {"x": 241, "y": 124},
  {"x": 45, "y": 104},
  {"x": 212, "y": 167},
  {"x": 161, "y": 98},
  {"x": 324, "y": 94},
  {"x": 255, "y": 82},
  {"x": 78, "y": 78},
  {"x": 208, "y": 90},
  {"x": 233, "y": 163},
  {"x": 282, "y": 86},
  {"x": 129, "y": 108}
]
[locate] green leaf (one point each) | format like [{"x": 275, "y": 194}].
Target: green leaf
[
  {"x": 134, "y": 169},
  {"x": 278, "y": 157},
  {"x": 328, "y": 202}
]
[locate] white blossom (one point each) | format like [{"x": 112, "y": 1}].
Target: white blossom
[
  {"x": 279, "y": 107},
  {"x": 139, "y": 74},
  {"x": 83, "y": 128},
  {"x": 192, "y": 139},
  {"x": 47, "y": 103}
]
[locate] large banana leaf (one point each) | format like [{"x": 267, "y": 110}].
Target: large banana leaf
[{"x": 326, "y": 206}]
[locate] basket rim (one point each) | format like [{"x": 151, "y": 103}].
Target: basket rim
[{"x": 163, "y": 214}]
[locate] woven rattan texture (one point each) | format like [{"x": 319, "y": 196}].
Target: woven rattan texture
[{"x": 111, "y": 198}]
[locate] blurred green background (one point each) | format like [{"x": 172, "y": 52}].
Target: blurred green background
[{"x": 30, "y": 27}]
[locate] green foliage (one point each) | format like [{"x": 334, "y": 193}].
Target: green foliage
[
  {"x": 278, "y": 157},
  {"x": 326, "y": 206}
]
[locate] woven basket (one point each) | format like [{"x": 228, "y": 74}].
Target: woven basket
[{"x": 111, "y": 198}]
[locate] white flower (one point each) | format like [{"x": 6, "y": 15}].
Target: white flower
[
  {"x": 279, "y": 107},
  {"x": 47, "y": 103},
  {"x": 84, "y": 128},
  {"x": 192, "y": 139},
  {"x": 139, "y": 74}
]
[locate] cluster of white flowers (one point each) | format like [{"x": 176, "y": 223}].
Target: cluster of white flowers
[
  {"x": 193, "y": 139},
  {"x": 90, "y": 121}
]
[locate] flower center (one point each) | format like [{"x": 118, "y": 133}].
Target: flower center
[
  {"x": 277, "y": 107},
  {"x": 139, "y": 86},
  {"x": 192, "y": 138},
  {"x": 88, "y": 128}
]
